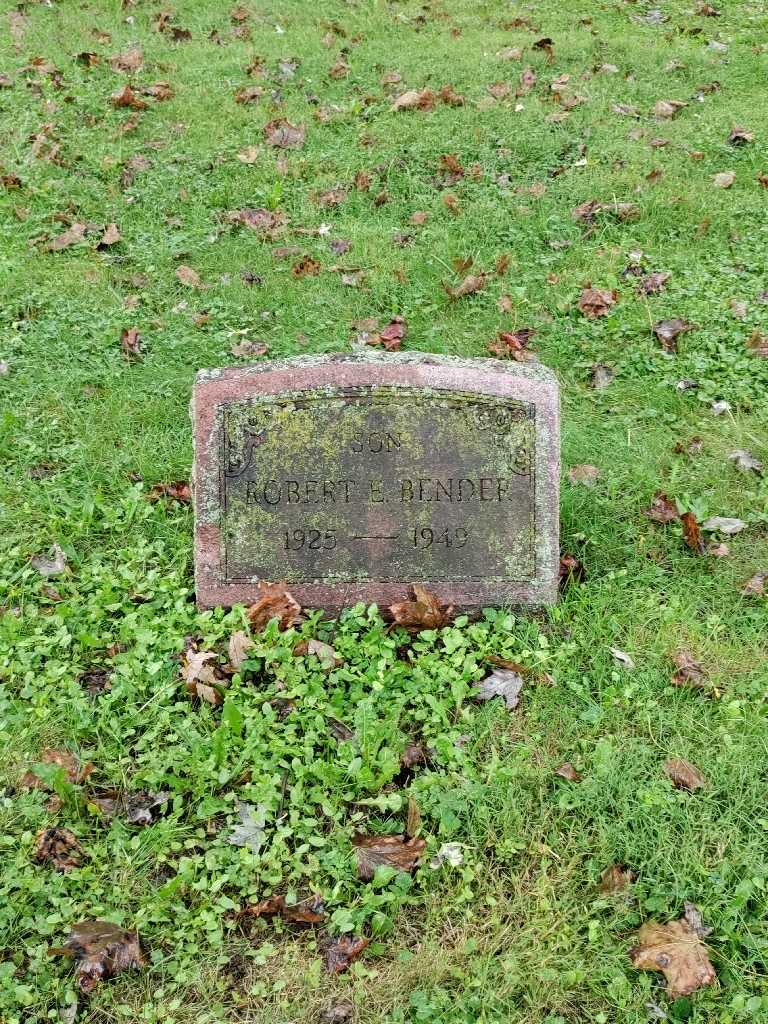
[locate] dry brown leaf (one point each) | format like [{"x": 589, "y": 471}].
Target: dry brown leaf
[
  {"x": 188, "y": 277},
  {"x": 527, "y": 82},
  {"x": 284, "y": 135},
  {"x": 689, "y": 671},
  {"x": 306, "y": 267},
  {"x": 391, "y": 336},
  {"x": 662, "y": 509},
  {"x": 668, "y": 108},
  {"x": 126, "y": 97},
  {"x": 423, "y": 612},
  {"x": 724, "y": 179},
  {"x": 740, "y": 136},
  {"x": 266, "y": 222},
  {"x": 668, "y": 331},
  {"x": 684, "y": 775},
  {"x": 74, "y": 771},
  {"x": 311, "y": 911},
  {"x": 391, "y": 851},
  {"x": 584, "y": 474},
  {"x": 471, "y": 284},
  {"x": 111, "y": 236},
  {"x": 757, "y": 344},
  {"x": 677, "y": 951},
  {"x": 131, "y": 60},
  {"x": 239, "y": 645},
  {"x": 200, "y": 677},
  {"x": 341, "y": 951},
  {"x": 414, "y": 99},
  {"x": 616, "y": 878},
  {"x": 596, "y": 302},
  {"x": 74, "y": 234},
  {"x": 653, "y": 283},
  {"x": 601, "y": 375},
  {"x": 340, "y": 69},
  {"x": 571, "y": 570},
  {"x": 60, "y": 847},
  {"x": 514, "y": 344},
  {"x": 178, "y": 490},
  {"x": 101, "y": 950},
  {"x": 692, "y": 533},
  {"x": 568, "y": 772},
  {"x": 755, "y": 586},
  {"x": 130, "y": 342},
  {"x": 275, "y": 602},
  {"x": 249, "y": 349}
]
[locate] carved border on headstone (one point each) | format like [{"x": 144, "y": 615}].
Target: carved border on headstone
[{"x": 480, "y": 380}]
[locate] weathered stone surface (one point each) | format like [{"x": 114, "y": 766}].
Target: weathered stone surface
[{"x": 353, "y": 476}]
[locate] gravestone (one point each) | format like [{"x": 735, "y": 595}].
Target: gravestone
[{"x": 352, "y": 476}]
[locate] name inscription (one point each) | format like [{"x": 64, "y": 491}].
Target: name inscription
[{"x": 384, "y": 485}]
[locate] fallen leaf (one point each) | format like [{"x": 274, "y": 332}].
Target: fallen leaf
[
  {"x": 250, "y": 831},
  {"x": 601, "y": 375},
  {"x": 50, "y": 566},
  {"x": 131, "y": 60},
  {"x": 101, "y": 950},
  {"x": 413, "y": 818},
  {"x": 501, "y": 683},
  {"x": 653, "y": 283},
  {"x": 266, "y": 222},
  {"x": 683, "y": 775},
  {"x": 126, "y": 97},
  {"x": 423, "y": 612},
  {"x": 137, "y": 808},
  {"x": 526, "y": 82},
  {"x": 322, "y": 651},
  {"x": 689, "y": 671},
  {"x": 692, "y": 533},
  {"x": 284, "y": 135},
  {"x": 341, "y": 951},
  {"x": 338, "y": 1013},
  {"x": 306, "y": 267},
  {"x": 275, "y": 602},
  {"x": 249, "y": 349},
  {"x": 310, "y": 911},
  {"x": 159, "y": 91},
  {"x": 584, "y": 474},
  {"x": 391, "y": 336},
  {"x": 723, "y": 524},
  {"x": 513, "y": 344},
  {"x": 745, "y": 461},
  {"x": 239, "y": 645},
  {"x": 616, "y": 878},
  {"x": 757, "y": 344},
  {"x": 595, "y": 302},
  {"x": 755, "y": 586},
  {"x": 200, "y": 677},
  {"x": 130, "y": 342},
  {"x": 720, "y": 407},
  {"x": 571, "y": 570},
  {"x": 662, "y": 509},
  {"x": 622, "y": 657},
  {"x": 677, "y": 951},
  {"x": 568, "y": 772},
  {"x": 510, "y": 53},
  {"x": 188, "y": 277},
  {"x": 177, "y": 490},
  {"x": 725, "y": 179},
  {"x": 60, "y": 847},
  {"x": 740, "y": 136},
  {"x": 739, "y": 308},
  {"x": 340, "y": 69},
  {"x": 390, "y": 851},
  {"x": 668, "y": 331},
  {"x": 414, "y": 99},
  {"x": 472, "y": 283},
  {"x": 249, "y": 94},
  {"x": 74, "y": 234},
  {"x": 668, "y": 108},
  {"x": 74, "y": 772}
]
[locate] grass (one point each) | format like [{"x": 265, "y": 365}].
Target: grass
[{"x": 519, "y": 932}]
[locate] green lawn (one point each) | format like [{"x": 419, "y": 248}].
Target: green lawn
[{"x": 519, "y": 932}]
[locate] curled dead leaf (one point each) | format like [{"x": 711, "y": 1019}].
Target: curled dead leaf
[
  {"x": 755, "y": 585},
  {"x": 423, "y": 612},
  {"x": 684, "y": 775},
  {"x": 74, "y": 771},
  {"x": 59, "y": 847},
  {"x": 310, "y": 911},
  {"x": 689, "y": 671},
  {"x": 284, "y": 135},
  {"x": 126, "y": 97},
  {"x": 505, "y": 683},
  {"x": 568, "y": 772},
  {"x": 668, "y": 331},
  {"x": 616, "y": 878},
  {"x": 239, "y": 645},
  {"x": 666, "y": 109},
  {"x": 677, "y": 951},
  {"x": 390, "y": 851},
  {"x": 692, "y": 533},
  {"x": 130, "y": 342},
  {"x": 177, "y": 490},
  {"x": 74, "y": 234},
  {"x": 137, "y": 808},
  {"x": 276, "y": 602},
  {"x": 724, "y": 179},
  {"x": 189, "y": 277},
  {"x": 342, "y": 951},
  {"x": 201, "y": 678},
  {"x": 472, "y": 283},
  {"x": 101, "y": 950},
  {"x": 662, "y": 509},
  {"x": 415, "y": 99},
  {"x": 596, "y": 302},
  {"x": 584, "y": 474}
]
